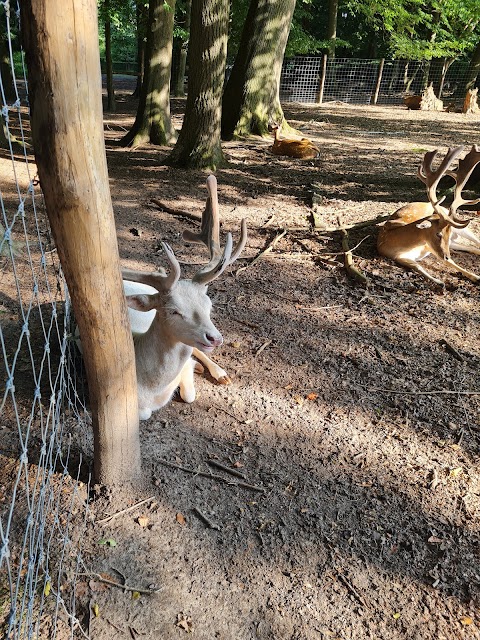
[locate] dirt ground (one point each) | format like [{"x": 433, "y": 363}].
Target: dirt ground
[{"x": 352, "y": 421}]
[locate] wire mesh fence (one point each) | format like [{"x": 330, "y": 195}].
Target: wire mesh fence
[
  {"x": 314, "y": 79},
  {"x": 43, "y": 498}
]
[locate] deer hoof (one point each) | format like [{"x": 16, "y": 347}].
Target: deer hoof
[
  {"x": 198, "y": 368},
  {"x": 224, "y": 380}
]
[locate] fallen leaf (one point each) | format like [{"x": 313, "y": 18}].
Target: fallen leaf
[
  {"x": 434, "y": 540},
  {"x": 46, "y": 590},
  {"x": 455, "y": 472},
  {"x": 110, "y": 542},
  {"x": 466, "y": 620},
  {"x": 96, "y": 609},
  {"x": 288, "y": 387},
  {"x": 135, "y": 595},
  {"x": 237, "y": 465},
  {"x": 184, "y": 622},
  {"x": 396, "y": 615},
  {"x": 180, "y": 518},
  {"x": 298, "y": 399},
  {"x": 143, "y": 521},
  {"x": 312, "y": 396}
]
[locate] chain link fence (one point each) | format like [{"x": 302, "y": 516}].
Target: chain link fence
[
  {"x": 43, "y": 417},
  {"x": 315, "y": 79}
]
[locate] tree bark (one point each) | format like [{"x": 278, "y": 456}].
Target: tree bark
[
  {"x": 142, "y": 18},
  {"x": 111, "y": 103},
  {"x": 473, "y": 69},
  {"x": 153, "y": 122},
  {"x": 251, "y": 99},
  {"x": 332, "y": 27},
  {"x": 198, "y": 144},
  {"x": 180, "y": 57},
  {"x": 5, "y": 64},
  {"x": 61, "y": 44}
]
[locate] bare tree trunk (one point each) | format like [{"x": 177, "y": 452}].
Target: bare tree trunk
[
  {"x": 111, "y": 104},
  {"x": 473, "y": 69},
  {"x": 61, "y": 44},
  {"x": 5, "y": 63},
  {"x": 142, "y": 18},
  {"x": 180, "y": 57},
  {"x": 251, "y": 99},
  {"x": 153, "y": 122},
  {"x": 198, "y": 144},
  {"x": 332, "y": 27}
]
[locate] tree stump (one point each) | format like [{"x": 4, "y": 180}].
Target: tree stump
[
  {"x": 470, "y": 104},
  {"x": 428, "y": 101}
]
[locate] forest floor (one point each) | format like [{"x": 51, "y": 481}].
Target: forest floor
[{"x": 349, "y": 417}]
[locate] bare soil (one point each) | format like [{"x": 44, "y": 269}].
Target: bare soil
[{"x": 353, "y": 415}]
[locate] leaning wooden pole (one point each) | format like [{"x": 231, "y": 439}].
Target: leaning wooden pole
[{"x": 61, "y": 45}]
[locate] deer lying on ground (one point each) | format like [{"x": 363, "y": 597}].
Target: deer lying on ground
[
  {"x": 170, "y": 317},
  {"x": 303, "y": 148},
  {"x": 422, "y": 228}
]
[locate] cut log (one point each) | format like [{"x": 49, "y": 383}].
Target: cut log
[
  {"x": 428, "y": 101},
  {"x": 470, "y": 104}
]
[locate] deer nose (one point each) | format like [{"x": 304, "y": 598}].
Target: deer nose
[{"x": 215, "y": 341}]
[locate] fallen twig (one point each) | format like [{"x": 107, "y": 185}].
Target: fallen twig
[
  {"x": 127, "y": 587},
  {"x": 218, "y": 465},
  {"x": 176, "y": 212},
  {"x": 264, "y": 346},
  {"x": 205, "y": 519},
  {"x": 352, "y": 589},
  {"x": 120, "y": 513},
  {"x": 427, "y": 393},
  {"x": 260, "y": 255},
  {"x": 451, "y": 350},
  {"x": 351, "y": 269},
  {"x": 213, "y": 476}
]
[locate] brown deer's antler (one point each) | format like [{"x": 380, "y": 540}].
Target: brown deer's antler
[
  {"x": 431, "y": 178},
  {"x": 209, "y": 235}
]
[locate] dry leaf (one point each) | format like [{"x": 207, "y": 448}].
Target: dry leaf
[
  {"x": 237, "y": 465},
  {"x": 135, "y": 595},
  {"x": 184, "y": 622},
  {"x": 143, "y": 521},
  {"x": 96, "y": 609},
  {"x": 466, "y": 620},
  {"x": 434, "y": 540},
  {"x": 180, "y": 518},
  {"x": 298, "y": 399},
  {"x": 288, "y": 387},
  {"x": 396, "y": 615},
  {"x": 455, "y": 472},
  {"x": 46, "y": 590},
  {"x": 312, "y": 396}
]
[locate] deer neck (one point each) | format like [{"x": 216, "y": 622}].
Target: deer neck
[{"x": 157, "y": 351}]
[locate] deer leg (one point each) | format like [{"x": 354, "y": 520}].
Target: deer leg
[
  {"x": 467, "y": 235},
  {"x": 468, "y": 274},
  {"x": 219, "y": 374},
  {"x": 187, "y": 384},
  {"x": 414, "y": 266},
  {"x": 468, "y": 248}
]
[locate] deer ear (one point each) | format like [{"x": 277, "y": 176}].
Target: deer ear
[
  {"x": 142, "y": 302},
  {"x": 424, "y": 224}
]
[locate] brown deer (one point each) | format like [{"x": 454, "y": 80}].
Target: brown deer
[
  {"x": 304, "y": 148},
  {"x": 423, "y": 228}
]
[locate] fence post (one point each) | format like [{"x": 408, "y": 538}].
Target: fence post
[
  {"x": 374, "y": 98},
  {"x": 322, "y": 79},
  {"x": 61, "y": 44}
]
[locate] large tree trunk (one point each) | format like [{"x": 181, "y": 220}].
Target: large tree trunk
[
  {"x": 5, "y": 63},
  {"x": 251, "y": 99},
  {"x": 111, "y": 103},
  {"x": 473, "y": 69},
  {"x": 198, "y": 144},
  {"x": 142, "y": 19},
  {"x": 332, "y": 27},
  {"x": 61, "y": 44},
  {"x": 153, "y": 122},
  {"x": 180, "y": 57}
]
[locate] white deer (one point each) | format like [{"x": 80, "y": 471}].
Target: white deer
[{"x": 170, "y": 317}]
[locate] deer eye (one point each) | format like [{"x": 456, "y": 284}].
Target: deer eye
[
  {"x": 439, "y": 234},
  {"x": 175, "y": 312}
]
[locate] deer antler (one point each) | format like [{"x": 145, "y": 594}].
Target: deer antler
[
  {"x": 210, "y": 236},
  {"x": 431, "y": 178},
  {"x": 159, "y": 280}
]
